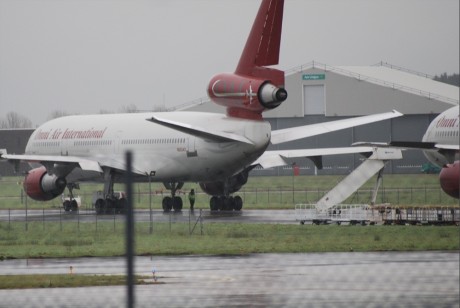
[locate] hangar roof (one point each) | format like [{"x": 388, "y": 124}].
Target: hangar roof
[
  {"x": 382, "y": 74},
  {"x": 395, "y": 77}
]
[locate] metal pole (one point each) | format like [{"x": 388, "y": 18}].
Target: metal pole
[
  {"x": 201, "y": 222},
  {"x": 78, "y": 220},
  {"x": 150, "y": 204},
  {"x": 27, "y": 227},
  {"x": 129, "y": 232}
]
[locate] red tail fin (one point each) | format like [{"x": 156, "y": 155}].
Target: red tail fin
[
  {"x": 263, "y": 44},
  {"x": 253, "y": 87}
]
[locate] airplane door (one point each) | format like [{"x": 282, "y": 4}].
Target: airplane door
[
  {"x": 64, "y": 147},
  {"x": 191, "y": 149}
]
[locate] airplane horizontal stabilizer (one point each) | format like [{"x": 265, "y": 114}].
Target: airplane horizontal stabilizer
[
  {"x": 295, "y": 133},
  {"x": 219, "y": 136}
]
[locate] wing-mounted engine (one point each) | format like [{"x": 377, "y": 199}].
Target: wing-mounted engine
[
  {"x": 450, "y": 179},
  {"x": 41, "y": 186},
  {"x": 253, "y": 87}
]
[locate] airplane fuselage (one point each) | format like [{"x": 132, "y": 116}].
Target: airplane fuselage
[
  {"x": 443, "y": 130},
  {"x": 168, "y": 154}
]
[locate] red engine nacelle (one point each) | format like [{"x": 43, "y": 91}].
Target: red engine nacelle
[
  {"x": 450, "y": 179},
  {"x": 245, "y": 97},
  {"x": 41, "y": 186}
]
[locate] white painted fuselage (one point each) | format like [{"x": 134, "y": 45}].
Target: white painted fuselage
[
  {"x": 171, "y": 155},
  {"x": 444, "y": 132}
]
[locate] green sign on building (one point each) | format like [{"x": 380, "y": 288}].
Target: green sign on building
[{"x": 313, "y": 76}]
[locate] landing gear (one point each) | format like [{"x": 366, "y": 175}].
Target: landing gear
[
  {"x": 71, "y": 203},
  {"x": 114, "y": 204},
  {"x": 223, "y": 203},
  {"x": 108, "y": 201},
  {"x": 172, "y": 202}
]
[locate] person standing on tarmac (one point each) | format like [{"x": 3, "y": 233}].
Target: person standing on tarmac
[{"x": 191, "y": 198}]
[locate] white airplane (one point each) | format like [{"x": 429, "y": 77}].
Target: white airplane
[
  {"x": 440, "y": 144},
  {"x": 215, "y": 150},
  {"x": 441, "y": 147}
]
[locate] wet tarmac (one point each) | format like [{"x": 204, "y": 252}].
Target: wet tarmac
[
  {"x": 253, "y": 216},
  {"x": 389, "y": 279}
]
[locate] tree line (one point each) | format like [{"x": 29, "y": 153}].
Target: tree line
[{"x": 453, "y": 79}]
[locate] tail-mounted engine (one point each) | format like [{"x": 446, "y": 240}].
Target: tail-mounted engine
[
  {"x": 41, "y": 186},
  {"x": 245, "y": 97},
  {"x": 253, "y": 87}
]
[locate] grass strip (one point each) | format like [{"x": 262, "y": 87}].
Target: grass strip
[
  {"x": 261, "y": 192},
  {"x": 50, "y": 241},
  {"x": 65, "y": 281}
]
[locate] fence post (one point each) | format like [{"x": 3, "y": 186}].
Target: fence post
[
  {"x": 27, "y": 227},
  {"x": 201, "y": 222},
  {"x": 425, "y": 194}
]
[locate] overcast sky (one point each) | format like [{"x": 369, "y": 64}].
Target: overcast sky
[{"x": 83, "y": 56}]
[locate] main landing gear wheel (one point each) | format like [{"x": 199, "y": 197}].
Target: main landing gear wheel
[
  {"x": 111, "y": 206},
  {"x": 223, "y": 203},
  {"x": 170, "y": 203},
  {"x": 66, "y": 205}
]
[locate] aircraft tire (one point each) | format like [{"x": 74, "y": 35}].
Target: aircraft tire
[
  {"x": 66, "y": 205},
  {"x": 99, "y": 206},
  {"x": 177, "y": 204},
  {"x": 109, "y": 207},
  {"x": 214, "y": 203},
  {"x": 74, "y": 205},
  {"x": 238, "y": 203},
  {"x": 167, "y": 204},
  {"x": 226, "y": 204},
  {"x": 122, "y": 205}
]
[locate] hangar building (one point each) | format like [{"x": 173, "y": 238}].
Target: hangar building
[{"x": 318, "y": 92}]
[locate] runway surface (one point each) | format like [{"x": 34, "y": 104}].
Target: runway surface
[
  {"x": 390, "y": 279},
  {"x": 253, "y": 216}
]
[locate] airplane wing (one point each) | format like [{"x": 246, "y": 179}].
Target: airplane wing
[
  {"x": 84, "y": 164},
  {"x": 290, "y": 134},
  {"x": 278, "y": 158},
  {"x": 200, "y": 131}
]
